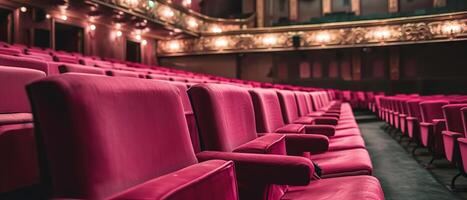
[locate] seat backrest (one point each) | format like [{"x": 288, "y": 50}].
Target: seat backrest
[
  {"x": 23, "y": 62},
  {"x": 13, "y": 81},
  {"x": 302, "y": 103},
  {"x": 66, "y": 58},
  {"x": 122, "y": 73},
  {"x": 268, "y": 112},
  {"x": 10, "y": 51},
  {"x": 158, "y": 77},
  {"x": 452, "y": 114},
  {"x": 74, "y": 68},
  {"x": 432, "y": 109},
  {"x": 102, "y": 135},
  {"x": 288, "y": 105},
  {"x": 224, "y": 114},
  {"x": 414, "y": 108},
  {"x": 464, "y": 119}
]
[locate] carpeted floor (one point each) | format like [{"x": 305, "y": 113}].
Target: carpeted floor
[{"x": 401, "y": 175}]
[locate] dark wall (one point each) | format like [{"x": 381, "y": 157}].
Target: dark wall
[
  {"x": 221, "y": 8},
  {"x": 423, "y": 68}
]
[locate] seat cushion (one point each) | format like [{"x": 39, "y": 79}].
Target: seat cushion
[
  {"x": 344, "y": 163},
  {"x": 353, "y": 187},
  {"x": 347, "y": 132},
  {"x": 349, "y": 142}
]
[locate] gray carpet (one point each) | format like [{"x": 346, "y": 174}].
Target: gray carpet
[{"x": 401, "y": 176}]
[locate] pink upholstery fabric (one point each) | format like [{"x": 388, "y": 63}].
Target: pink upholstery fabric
[
  {"x": 225, "y": 119},
  {"x": 224, "y": 114},
  {"x": 344, "y": 163},
  {"x": 22, "y": 62},
  {"x": 267, "y": 144},
  {"x": 10, "y": 51},
  {"x": 454, "y": 130},
  {"x": 66, "y": 58},
  {"x": 289, "y": 106},
  {"x": 17, "y": 145},
  {"x": 134, "y": 124},
  {"x": 208, "y": 180},
  {"x": 18, "y": 157},
  {"x": 341, "y": 188},
  {"x": 121, "y": 73},
  {"x": 268, "y": 111},
  {"x": 66, "y": 68},
  {"x": 432, "y": 125},
  {"x": 12, "y": 88}
]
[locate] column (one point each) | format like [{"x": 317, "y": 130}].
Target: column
[
  {"x": 355, "y": 6},
  {"x": 293, "y": 10},
  {"x": 326, "y": 6},
  {"x": 260, "y": 13},
  {"x": 394, "y": 63},
  {"x": 356, "y": 65},
  {"x": 393, "y": 6}
]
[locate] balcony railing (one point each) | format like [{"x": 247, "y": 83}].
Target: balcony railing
[
  {"x": 178, "y": 17},
  {"x": 396, "y": 31}
]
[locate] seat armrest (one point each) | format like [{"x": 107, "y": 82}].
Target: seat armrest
[
  {"x": 300, "y": 143},
  {"x": 326, "y": 121},
  {"x": 452, "y": 134},
  {"x": 439, "y": 124},
  {"x": 291, "y": 128},
  {"x": 426, "y": 124},
  {"x": 269, "y": 143},
  {"x": 215, "y": 178},
  {"x": 326, "y": 130},
  {"x": 272, "y": 169},
  {"x": 462, "y": 140}
]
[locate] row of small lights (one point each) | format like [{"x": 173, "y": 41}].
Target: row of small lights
[
  {"x": 92, "y": 27},
  {"x": 324, "y": 37},
  {"x": 167, "y": 13}
]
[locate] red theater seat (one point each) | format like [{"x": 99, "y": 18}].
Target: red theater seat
[
  {"x": 73, "y": 68},
  {"x": 269, "y": 120},
  {"x": 225, "y": 117},
  {"x": 22, "y": 62},
  {"x": 226, "y": 120},
  {"x": 120, "y": 138},
  {"x": 18, "y": 159},
  {"x": 432, "y": 125},
  {"x": 122, "y": 73},
  {"x": 454, "y": 130}
]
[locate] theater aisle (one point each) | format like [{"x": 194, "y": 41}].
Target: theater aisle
[{"x": 400, "y": 175}]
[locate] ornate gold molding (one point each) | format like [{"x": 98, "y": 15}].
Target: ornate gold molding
[
  {"x": 335, "y": 35},
  {"x": 166, "y": 13}
]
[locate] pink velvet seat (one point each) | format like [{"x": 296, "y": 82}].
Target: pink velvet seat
[
  {"x": 109, "y": 138},
  {"x": 18, "y": 168},
  {"x": 122, "y": 73},
  {"x": 433, "y": 123},
  {"x": 74, "y": 68},
  {"x": 269, "y": 119},
  {"x": 290, "y": 114},
  {"x": 66, "y": 58},
  {"x": 454, "y": 129},
  {"x": 226, "y": 120},
  {"x": 23, "y": 62}
]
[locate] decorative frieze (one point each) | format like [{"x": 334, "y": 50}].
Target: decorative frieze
[{"x": 404, "y": 31}]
